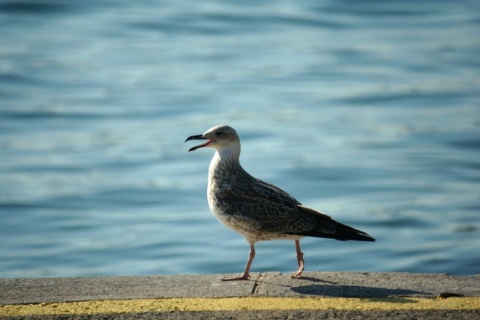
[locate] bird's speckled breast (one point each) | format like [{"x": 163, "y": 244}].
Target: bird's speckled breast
[
  {"x": 227, "y": 214},
  {"x": 224, "y": 211},
  {"x": 225, "y": 172}
]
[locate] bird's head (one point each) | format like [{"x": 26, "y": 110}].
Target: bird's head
[{"x": 219, "y": 138}]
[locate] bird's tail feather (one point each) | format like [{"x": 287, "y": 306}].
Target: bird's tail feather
[
  {"x": 327, "y": 227},
  {"x": 345, "y": 232}
]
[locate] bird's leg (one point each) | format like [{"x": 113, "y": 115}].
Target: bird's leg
[
  {"x": 301, "y": 263},
  {"x": 246, "y": 273}
]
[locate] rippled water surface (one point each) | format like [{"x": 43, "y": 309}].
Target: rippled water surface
[{"x": 366, "y": 110}]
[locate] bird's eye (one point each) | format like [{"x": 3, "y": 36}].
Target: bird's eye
[{"x": 218, "y": 133}]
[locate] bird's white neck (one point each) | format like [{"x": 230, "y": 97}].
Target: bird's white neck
[{"x": 226, "y": 161}]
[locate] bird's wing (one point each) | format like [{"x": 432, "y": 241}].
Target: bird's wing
[{"x": 273, "y": 210}]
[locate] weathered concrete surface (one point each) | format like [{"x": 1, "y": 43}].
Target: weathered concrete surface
[
  {"x": 274, "y": 315},
  {"x": 365, "y": 284},
  {"x": 328, "y": 284}
]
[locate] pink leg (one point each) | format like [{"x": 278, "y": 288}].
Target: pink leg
[
  {"x": 301, "y": 263},
  {"x": 246, "y": 273}
]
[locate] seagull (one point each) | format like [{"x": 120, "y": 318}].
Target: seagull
[{"x": 258, "y": 210}]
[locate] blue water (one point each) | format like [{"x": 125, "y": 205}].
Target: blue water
[{"x": 366, "y": 110}]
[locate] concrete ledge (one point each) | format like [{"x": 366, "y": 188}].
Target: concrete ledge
[
  {"x": 272, "y": 284},
  {"x": 265, "y": 292}
]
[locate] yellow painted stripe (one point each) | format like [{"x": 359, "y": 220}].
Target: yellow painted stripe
[{"x": 245, "y": 303}]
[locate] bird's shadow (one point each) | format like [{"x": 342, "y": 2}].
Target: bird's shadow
[
  {"x": 325, "y": 288},
  {"x": 346, "y": 291}
]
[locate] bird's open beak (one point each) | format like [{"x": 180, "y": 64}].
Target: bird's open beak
[{"x": 198, "y": 137}]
